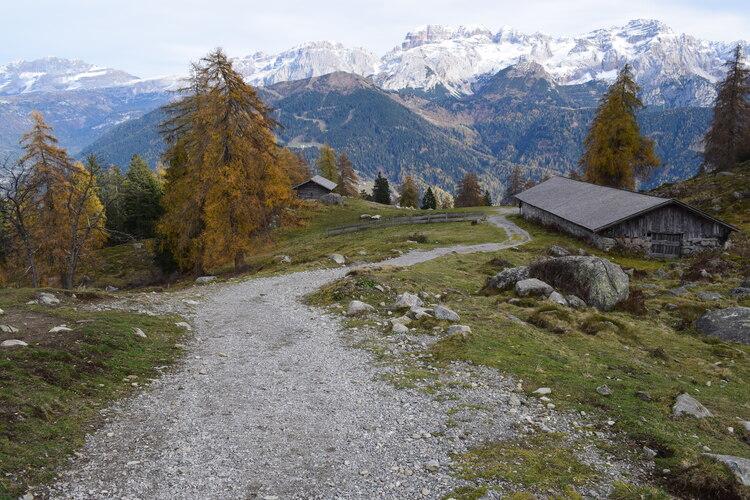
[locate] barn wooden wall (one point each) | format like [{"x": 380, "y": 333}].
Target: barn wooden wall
[
  {"x": 311, "y": 191},
  {"x": 669, "y": 219}
]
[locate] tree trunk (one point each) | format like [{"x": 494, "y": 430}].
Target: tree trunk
[{"x": 239, "y": 261}]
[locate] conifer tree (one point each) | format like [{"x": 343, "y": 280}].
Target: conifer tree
[
  {"x": 469, "y": 193},
  {"x": 487, "y": 198},
  {"x": 428, "y": 200},
  {"x": 111, "y": 187},
  {"x": 408, "y": 193},
  {"x": 615, "y": 152},
  {"x": 326, "y": 164},
  {"x": 141, "y": 199},
  {"x": 514, "y": 185},
  {"x": 381, "y": 190},
  {"x": 728, "y": 138},
  {"x": 348, "y": 177},
  {"x": 225, "y": 186},
  {"x": 295, "y": 166}
]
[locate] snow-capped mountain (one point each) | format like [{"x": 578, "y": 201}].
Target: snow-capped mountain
[
  {"x": 305, "y": 61},
  {"x": 673, "y": 69},
  {"x": 51, "y": 74}
]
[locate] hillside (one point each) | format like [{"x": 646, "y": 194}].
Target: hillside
[{"x": 518, "y": 116}]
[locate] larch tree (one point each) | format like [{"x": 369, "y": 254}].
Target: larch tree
[
  {"x": 381, "y": 190},
  {"x": 615, "y": 153},
  {"x": 728, "y": 138},
  {"x": 225, "y": 186},
  {"x": 408, "y": 193},
  {"x": 469, "y": 193},
  {"x": 326, "y": 164},
  {"x": 347, "y": 175},
  {"x": 295, "y": 166},
  {"x": 514, "y": 185},
  {"x": 141, "y": 199},
  {"x": 429, "y": 202}
]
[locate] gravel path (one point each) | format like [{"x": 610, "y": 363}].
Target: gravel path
[{"x": 271, "y": 401}]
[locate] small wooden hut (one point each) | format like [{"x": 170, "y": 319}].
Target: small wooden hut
[
  {"x": 605, "y": 216},
  {"x": 315, "y": 188}
]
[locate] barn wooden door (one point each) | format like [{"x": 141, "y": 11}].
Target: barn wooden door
[{"x": 667, "y": 245}]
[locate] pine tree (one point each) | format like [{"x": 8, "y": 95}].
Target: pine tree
[
  {"x": 326, "y": 164},
  {"x": 469, "y": 193},
  {"x": 111, "y": 186},
  {"x": 428, "y": 200},
  {"x": 381, "y": 190},
  {"x": 728, "y": 138},
  {"x": 225, "y": 187},
  {"x": 408, "y": 193},
  {"x": 347, "y": 175},
  {"x": 487, "y": 198},
  {"x": 141, "y": 199},
  {"x": 514, "y": 185},
  {"x": 615, "y": 152}
]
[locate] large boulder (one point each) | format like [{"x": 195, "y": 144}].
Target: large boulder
[
  {"x": 732, "y": 323},
  {"x": 533, "y": 286},
  {"x": 740, "y": 467},
  {"x": 740, "y": 292},
  {"x": 685, "y": 404},
  {"x": 599, "y": 282},
  {"x": 332, "y": 199},
  {"x": 507, "y": 278}
]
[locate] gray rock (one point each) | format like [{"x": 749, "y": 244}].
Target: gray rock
[
  {"x": 647, "y": 286},
  {"x": 332, "y": 199},
  {"x": 138, "y": 245},
  {"x": 60, "y": 329},
  {"x": 688, "y": 405},
  {"x": 399, "y": 328},
  {"x": 533, "y": 286},
  {"x": 740, "y": 467},
  {"x": 740, "y": 292},
  {"x": 649, "y": 453},
  {"x": 201, "y": 280},
  {"x": 407, "y": 300},
  {"x": 558, "y": 298},
  {"x": 432, "y": 466},
  {"x": 732, "y": 323},
  {"x": 441, "y": 312},
  {"x": 599, "y": 282},
  {"x": 416, "y": 312},
  {"x": 139, "y": 332},
  {"x": 575, "y": 302},
  {"x": 110, "y": 288},
  {"x": 543, "y": 391},
  {"x": 365, "y": 216},
  {"x": 2, "y": 312},
  {"x": 644, "y": 396},
  {"x": 709, "y": 295},
  {"x": 404, "y": 320},
  {"x": 678, "y": 292},
  {"x": 662, "y": 274},
  {"x": 47, "y": 299},
  {"x": 184, "y": 325},
  {"x": 283, "y": 259},
  {"x": 13, "y": 343},
  {"x": 670, "y": 307},
  {"x": 557, "y": 251},
  {"x": 357, "y": 308},
  {"x": 8, "y": 329},
  {"x": 459, "y": 329},
  {"x": 507, "y": 278},
  {"x": 604, "y": 390},
  {"x": 745, "y": 284},
  {"x": 337, "y": 258},
  {"x": 361, "y": 252}
]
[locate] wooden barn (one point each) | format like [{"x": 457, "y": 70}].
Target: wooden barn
[
  {"x": 315, "y": 188},
  {"x": 659, "y": 227}
]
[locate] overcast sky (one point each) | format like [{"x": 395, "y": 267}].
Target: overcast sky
[{"x": 159, "y": 37}]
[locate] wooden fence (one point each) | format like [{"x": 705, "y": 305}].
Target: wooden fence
[{"x": 400, "y": 221}]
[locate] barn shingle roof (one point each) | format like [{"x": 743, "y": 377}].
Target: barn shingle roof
[
  {"x": 595, "y": 207},
  {"x": 321, "y": 181}
]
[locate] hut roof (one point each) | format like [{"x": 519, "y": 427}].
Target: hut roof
[
  {"x": 595, "y": 207},
  {"x": 320, "y": 181}
]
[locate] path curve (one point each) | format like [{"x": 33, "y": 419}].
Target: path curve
[{"x": 270, "y": 401}]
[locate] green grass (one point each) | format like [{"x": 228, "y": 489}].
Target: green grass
[
  {"x": 574, "y": 351},
  {"x": 51, "y": 395}
]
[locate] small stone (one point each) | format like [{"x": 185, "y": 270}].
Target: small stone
[
  {"x": 337, "y": 258},
  {"x": 202, "y": 372},
  {"x": 184, "y": 325},
  {"x": 441, "y": 312},
  {"x": 709, "y": 295},
  {"x": 364, "y": 473},
  {"x": 687, "y": 405},
  {"x": 462, "y": 329},
  {"x": 2, "y": 312},
  {"x": 139, "y": 332},
  {"x": 542, "y": 391},
  {"x": 399, "y": 328},
  {"x": 407, "y": 300},
  {"x": 357, "y": 308},
  {"x": 60, "y": 329},
  {"x": 604, "y": 390},
  {"x": 644, "y": 396},
  {"x": 13, "y": 343},
  {"x": 426, "y": 492},
  {"x": 110, "y": 288},
  {"x": 432, "y": 466},
  {"x": 47, "y": 299},
  {"x": 223, "y": 355},
  {"x": 283, "y": 259},
  {"x": 649, "y": 453},
  {"x": 8, "y": 329},
  {"x": 191, "y": 302},
  {"x": 557, "y": 298}
]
